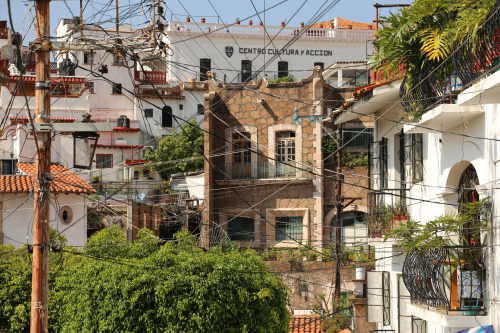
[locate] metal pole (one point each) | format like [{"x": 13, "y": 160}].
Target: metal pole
[
  {"x": 41, "y": 241},
  {"x": 338, "y": 231}
]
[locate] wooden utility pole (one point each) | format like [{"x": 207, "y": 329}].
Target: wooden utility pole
[
  {"x": 339, "y": 203},
  {"x": 41, "y": 241}
]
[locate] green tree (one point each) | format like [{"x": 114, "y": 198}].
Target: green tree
[
  {"x": 115, "y": 286},
  {"x": 185, "y": 144}
]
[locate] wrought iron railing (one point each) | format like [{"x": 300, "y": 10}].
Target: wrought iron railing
[
  {"x": 262, "y": 170},
  {"x": 449, "y": 278},
  {"x": 480, "y": 55},
  {"x": 386, "y": 211}
]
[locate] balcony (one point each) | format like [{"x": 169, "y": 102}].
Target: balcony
[
  {"x": 447, "y": 279},
  {"x": 387, "y": 210},
  {"x": 262, "y": 170},
  {"x": 159, "y": 92},
  {"x": 150, "y": 76},
  {"x": 272, "y": 31}
]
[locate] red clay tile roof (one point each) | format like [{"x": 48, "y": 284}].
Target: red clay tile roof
[
  {"x": 24, "y": 119},
  {"x": 126, "y": 129},
  {"x": 306, "y": 324},
  {"x": 66, "y": 79},
  {"x": 63, "y": 180},
  {"x": 342, "y": 23}
]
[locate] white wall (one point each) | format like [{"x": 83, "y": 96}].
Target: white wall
[{"x": 18, "y": 218}]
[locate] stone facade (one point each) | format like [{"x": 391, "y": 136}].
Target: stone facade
[{"x": 261, "y": 110}]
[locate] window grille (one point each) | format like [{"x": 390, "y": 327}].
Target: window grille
[
  {"x": 289, "y": 228},
  {"x": 104, "y": 160}
]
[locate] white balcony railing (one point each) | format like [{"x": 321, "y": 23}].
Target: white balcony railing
[{"x": 256, "y": 30}]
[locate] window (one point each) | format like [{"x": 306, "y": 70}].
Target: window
[
  {"x": 357, "y": 137},
  {"x": 320, "y": 64},
  {"x": 379, "y": 161},
  {"x": 282, "y": 68},
  {"x": 413, "y": 158},
  {"x": 117, "y": 89},
  {"x": 8, "y": 167},
  {"x": 91, "y": 87},
  {"x": 166, "y": 116},
  {"x": 285, "y": 146},
  {"x": 66, "y": 215},
  {"x": 285, "y": 152},
  {"x": 240, "y": 229},
  {"x": 289, "y": 228},
  {"x": 145, "y": 173},
  {"x": 181, "y": 107},
  {"x": 201, "y": 109},
  {"x": 118, "y": 59},
  {"x": 104, "y": 160},
  {"x": 241, "y": 148},
  {"x": 148, "y": 113},
  {"x": 136, "y": 175},
  {"x": 88, "y": 57},
  {"x": 246, "y": 70},
  {"x": 205, "y": 66}
]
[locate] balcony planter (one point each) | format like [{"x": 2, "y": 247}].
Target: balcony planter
[
  {"x": 261, "y": 24},
  {"x": 250, "y": 22},
  {"x": 301, "y": 24},
  {"x": 349, "y": 26},
  {"x": 203, "y": 20},
  {"x": 188, "y": 19},
  {"x": 238, "y": 20},
  {"x": 283, "y": 24},
  {"x": 321, "y": 26}
]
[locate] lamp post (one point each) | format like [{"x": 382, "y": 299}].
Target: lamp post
[{"x": 84, "y": 145}]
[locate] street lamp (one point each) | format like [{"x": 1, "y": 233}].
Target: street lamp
[
  {"x": 84, "y": 145},
  {"x": 303, "y": 291}
]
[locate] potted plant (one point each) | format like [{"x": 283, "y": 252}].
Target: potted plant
[
  {"x": 250, "y": 22},
  {"x": 188, "y": 19},
  {"x": 283, "y": 23},
  {"x": 349, "y": 26},
  {"x": 237, "y": 20},
  {"x": 202, "y": 20},
  {"x": 301, "y": 24},
  {"x": 359, "y": 257},
  {"x": 332, "y": 26},
  {"x": 321, "y": 25},
  {"x": 260, "y": 23}
]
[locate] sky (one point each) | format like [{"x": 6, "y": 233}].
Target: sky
[{"x": 229, "y": 10}]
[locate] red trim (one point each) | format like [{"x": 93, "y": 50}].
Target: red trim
[
  {"x": 135, "y": 162},
  {"x": 119, "y": 147},
  {"x": 14, "y": 79},
  {"x": 126, "y": 129}
]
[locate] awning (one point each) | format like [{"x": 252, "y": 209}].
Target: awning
[{"x": 480, "y": 329}]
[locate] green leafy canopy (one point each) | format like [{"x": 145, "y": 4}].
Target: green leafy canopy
[
  {"x": 183, "y": 146},
  {"x": 115, "y": 286}
]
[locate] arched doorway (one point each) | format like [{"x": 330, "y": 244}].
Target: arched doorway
[{"x": 467, "y": 194}]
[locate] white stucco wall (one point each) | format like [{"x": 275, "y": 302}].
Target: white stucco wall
[{"x": 18, "y": 218}]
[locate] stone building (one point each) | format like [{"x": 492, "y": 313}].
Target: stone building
[{"x": 264, "y": 174}]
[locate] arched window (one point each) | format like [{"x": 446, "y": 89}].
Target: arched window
[
  {"x": 467, "y": 194},
  {"x": 166, "y": 116}
]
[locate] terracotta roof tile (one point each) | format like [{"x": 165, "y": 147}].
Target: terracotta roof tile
[
  {"x": 63, "y": 180},
  {"x": 306, "y": 324},
  {"x": 342, "y": 23},
  {"x": 24, "y": 119},
  {"x": 66, "y": 79},
  {"x": 126, "y": 129}
]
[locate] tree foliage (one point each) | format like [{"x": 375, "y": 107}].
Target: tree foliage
[
  {"x": 115, "y": 286},
  {"x": 427, "y": 31},
  {"x": 185, "y": 144}
]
